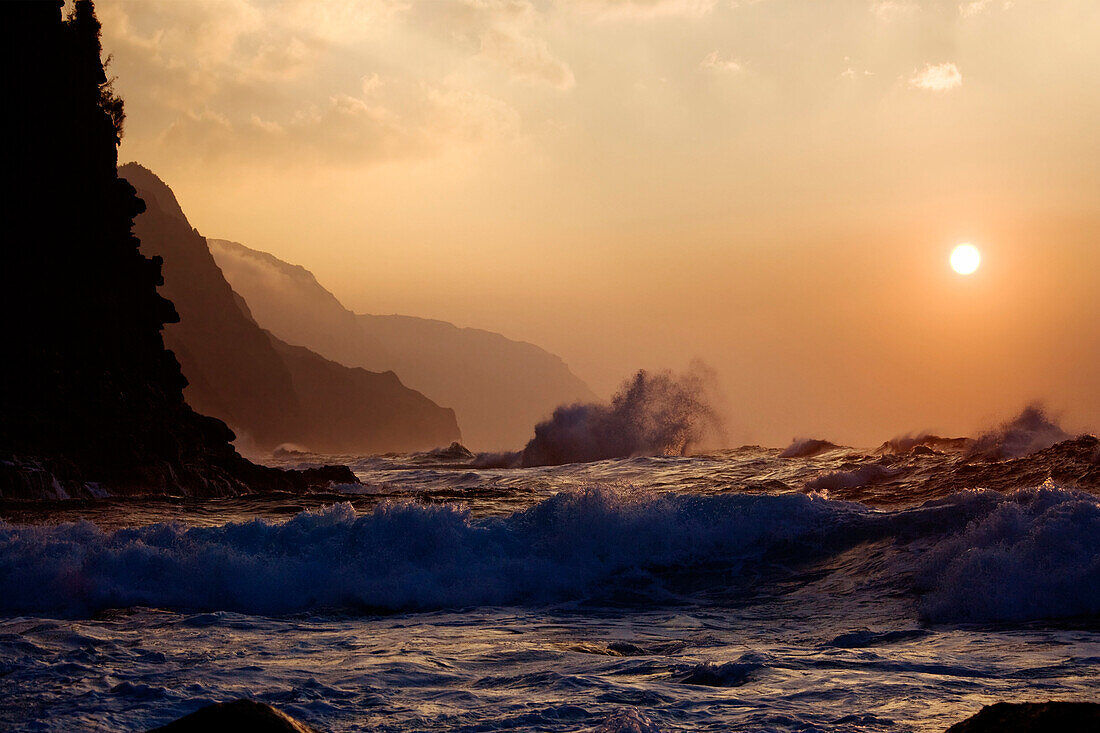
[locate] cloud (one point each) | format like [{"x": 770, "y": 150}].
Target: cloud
[
  {"x": 386, "y": 121},
  {"x": 850, "y": 73},
  {"x": 304, "y": 81},
  {"x": 715, "y": 63},
  {"x": 888, "y": 10},
  {"x": 969, "y": 9},
  {"x": 501, "y": 33},
  {"x": 976, "y": 7},
  {"x": 641, "y": 9},
  {"x": 526, "y": 57},
  {"x": 937, "y": 77}
]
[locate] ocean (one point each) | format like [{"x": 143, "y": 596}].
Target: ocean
[{"x": 819, "y": 588}]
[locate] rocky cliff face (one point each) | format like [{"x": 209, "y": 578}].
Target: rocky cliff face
[
  {"x": 91, "y": 402},
  {"x": 499, "y": 388},
  {"x": 88, "y": 391},
  {"x": 269, "y": 392},
  {"x": 352, "y": 407}
]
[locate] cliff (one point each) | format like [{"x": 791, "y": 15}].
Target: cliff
[
  {"x": 499, "y": 388},
  {"x": 266, "y": 390},
  {"x": 343, "y": 399},
  {"x": 90, "y": 399}
]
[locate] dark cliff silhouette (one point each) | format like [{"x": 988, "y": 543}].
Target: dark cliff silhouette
[
  {"x": 498, "y": 387},
  {"x": 89, "y": 396},
  {"x": 268, "y": 391}
]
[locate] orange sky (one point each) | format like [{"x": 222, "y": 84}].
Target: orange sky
[{"x": 771, "y": 186}]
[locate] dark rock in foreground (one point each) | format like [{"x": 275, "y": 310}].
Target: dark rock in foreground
[
  {"x": 239, "y": 715},
  {"x": 36, "y": 479},
  {"x": 1003, "y": 717},
  {"x": 1032, "y": 717},
  {"x": 91, "y": 402}
]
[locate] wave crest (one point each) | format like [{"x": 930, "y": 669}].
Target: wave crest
[
  {"x": 401, "y": 556},
  {"x": 1035, "y": 555},
  {"x": 987, "y": 556}
]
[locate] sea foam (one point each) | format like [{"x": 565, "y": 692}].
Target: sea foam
[
  {"x": 1035, "y": 555},
  {"x": 401, "y": 556}
]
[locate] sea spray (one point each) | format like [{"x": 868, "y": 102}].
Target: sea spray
[
  {"x": 1030, "y": 431},
  {"x": 652, "y": 414}
]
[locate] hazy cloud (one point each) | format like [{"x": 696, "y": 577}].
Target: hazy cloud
[
  {"x": 385, "y": 122},
  {"x": 714, "y": 62},
  {"x": 236, "y": 80},
  {"x": 888, "y": 10},
  {"x": 502, "y": 33},
  {"x": 526, "y": 57},
  {"x": 851, "y": 73},
  {"x": 973, "y": 8},
  {"x": 976, "y": 7},
  {"x": 937, "y": 77},
  {"x": 641, "y": 9}
]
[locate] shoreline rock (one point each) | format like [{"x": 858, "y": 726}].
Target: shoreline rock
[
  {"x": 1002, "y": 717},
  {"x": 25, "y": 478},
  {"x": 1032, "y": 717},
  {"x": 238, "y": 715}
]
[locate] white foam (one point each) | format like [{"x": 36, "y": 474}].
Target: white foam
[
  {"x": 400, "y": 556},
  {"x": 1035, "y": 555},
  {"x": 1031, "y": 554}
]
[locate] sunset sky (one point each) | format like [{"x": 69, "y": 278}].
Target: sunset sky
[{"x": 772, "y": 186}]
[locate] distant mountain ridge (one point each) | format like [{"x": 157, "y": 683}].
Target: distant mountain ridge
[
  {"x": 269, "y": 391},
  {"x": 499, "y": 388}
]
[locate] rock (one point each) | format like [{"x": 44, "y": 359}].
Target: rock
[
  {"x": 455, "y": 451},
  {"x": 322, "y": 477},
  {"x": 730, "y": 674},
  {"x": 1032, "y": 717},
  {"x": 91, "y": 401},
  {"x": 247, "y": 716},
  {"x": 807, "y": 448}
]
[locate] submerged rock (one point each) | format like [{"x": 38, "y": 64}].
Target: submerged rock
[
  {"x": 455, "y": 451},
  {"x": 239, "y": 715},
  {"x": 730, "y": 674},
  {"x": 35, "y": 479},
  {"x": 807, "y": 448},
  {"x": 1032, "y": 717}
]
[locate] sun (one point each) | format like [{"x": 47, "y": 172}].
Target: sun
[{"x": 965, "y": 259}]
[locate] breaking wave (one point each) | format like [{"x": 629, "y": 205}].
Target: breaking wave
[
  {"x": 1036, "y": 555},
  {"x": 1030, "y": 554}
]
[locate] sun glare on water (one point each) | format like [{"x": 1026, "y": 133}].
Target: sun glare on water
[{"x": 965, "y": 259}]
